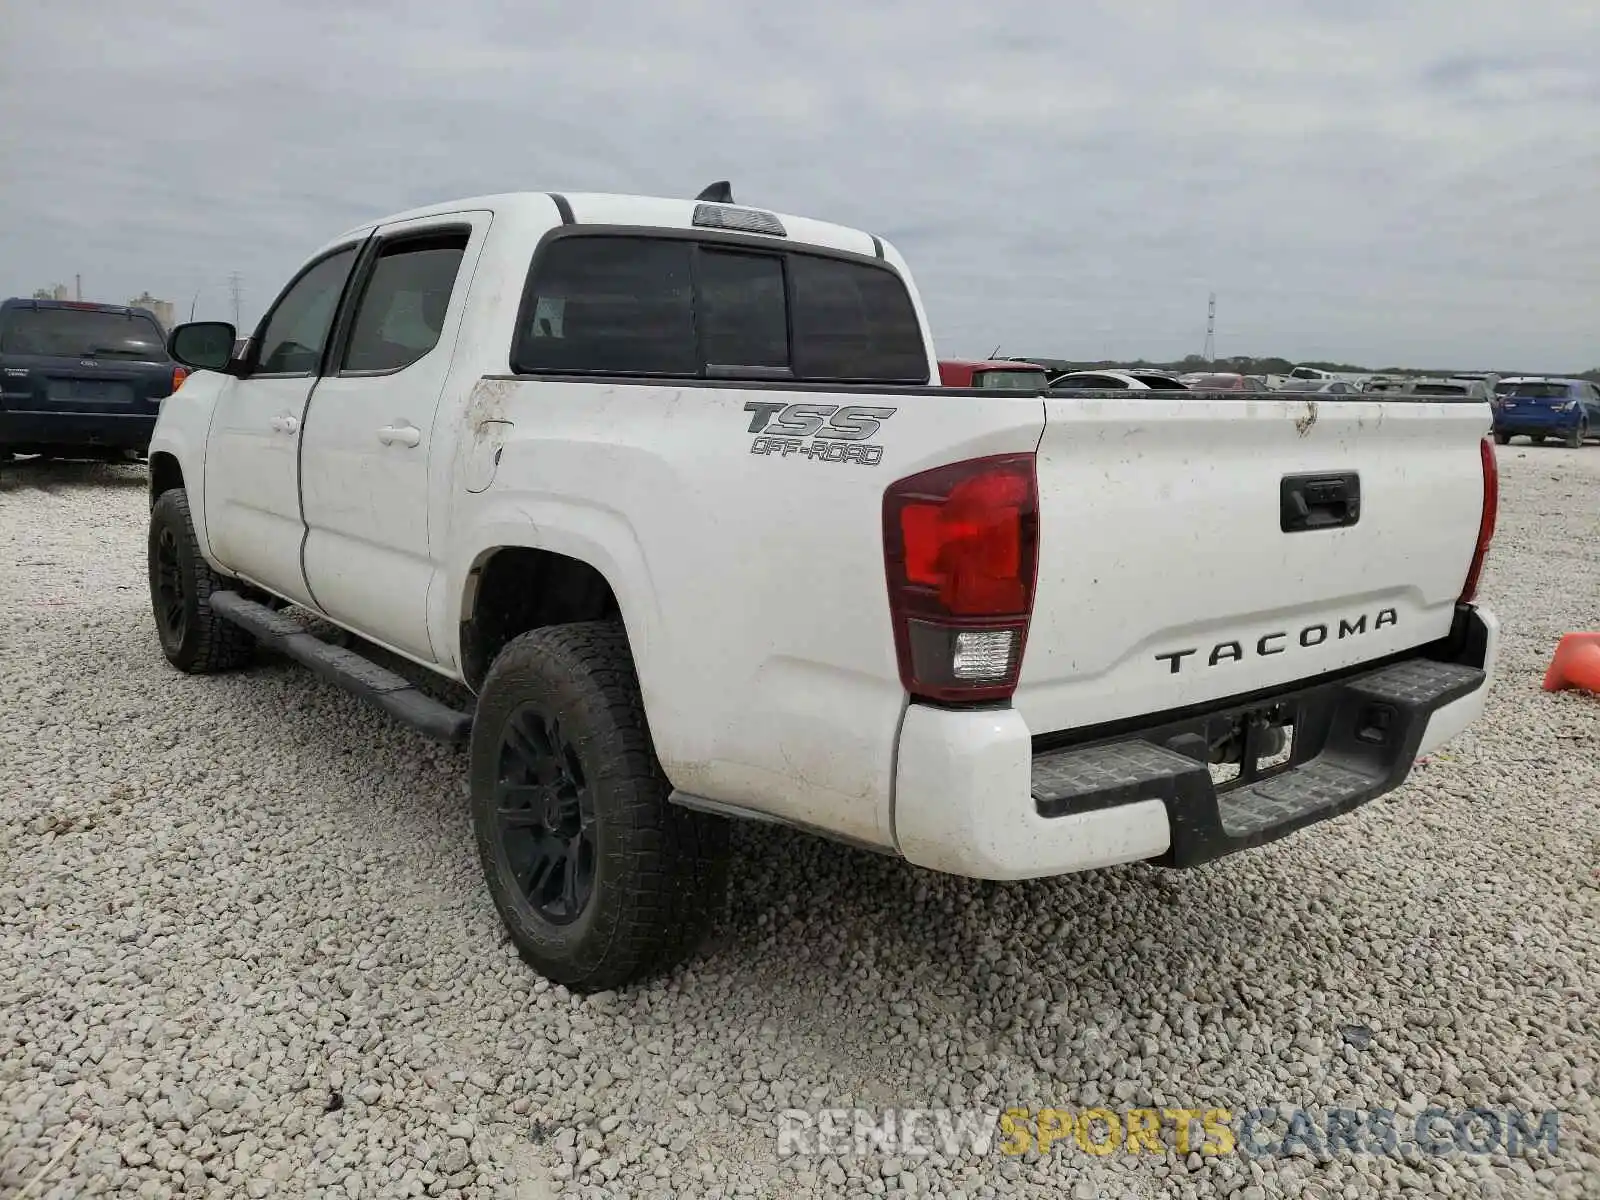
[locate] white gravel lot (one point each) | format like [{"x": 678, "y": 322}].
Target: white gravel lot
[{"x": 230, "y": 905}]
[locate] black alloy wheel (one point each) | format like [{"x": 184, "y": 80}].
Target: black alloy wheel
[
  {"x": 171, "y": 599},
  {"x": 544, "y": 808}
]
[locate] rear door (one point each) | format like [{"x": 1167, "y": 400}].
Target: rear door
[
  {"x": 252, "y": 483},
  {"x": 1175, "y": 565},
  {"x": 369, "y": 437},
  {"x": 65, "y": 358}
]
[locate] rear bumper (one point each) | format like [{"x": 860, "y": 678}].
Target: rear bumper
[
  {"x": 973, "y": 795},
  {"x": 1537, "y": 421},
  {"x": 123, "y": 431}
]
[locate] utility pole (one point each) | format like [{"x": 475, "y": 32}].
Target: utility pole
[
  {"x": 234, "y": 283},
  {"x": 1210, "y": 352},
  {"x": 77, "y": 285}
]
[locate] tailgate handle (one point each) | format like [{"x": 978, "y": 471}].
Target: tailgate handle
[{"x": 1319, "y": 501}]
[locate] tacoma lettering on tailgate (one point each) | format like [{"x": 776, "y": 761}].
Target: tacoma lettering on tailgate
[{"x": 1281, "y": 640}]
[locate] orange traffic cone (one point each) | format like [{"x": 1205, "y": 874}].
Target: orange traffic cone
[{"x": 1576, "y": 664}]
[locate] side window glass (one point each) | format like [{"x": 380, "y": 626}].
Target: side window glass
[
  {"x": 744, "y": 318},
  {"x": 401, "y": 312},
  {"x": 295, "y": 331},
  {"x": 610, "y": 306},
  {"x": 853, "y": 323}
]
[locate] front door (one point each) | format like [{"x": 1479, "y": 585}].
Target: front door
[
  {"x": 369, "y": 432},
  {"x": 252, "y": 497}
]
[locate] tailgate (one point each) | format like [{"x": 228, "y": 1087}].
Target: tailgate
[{"x": 1167, "y": 579}]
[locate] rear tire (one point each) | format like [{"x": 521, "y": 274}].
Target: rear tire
[
  {"x": 1576, "y": 437},
  {"x": 1502, "y": 439},
  {"x": 193, "y": 637},
  {"x": 600, "y": 880}
]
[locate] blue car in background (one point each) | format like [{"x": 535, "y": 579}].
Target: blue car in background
[
  {"x": 1540, "y": 408},
  {"x": 81, "y": 380}
]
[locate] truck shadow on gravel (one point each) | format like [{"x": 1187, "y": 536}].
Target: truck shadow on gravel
[{"x": 806, "y": 918}]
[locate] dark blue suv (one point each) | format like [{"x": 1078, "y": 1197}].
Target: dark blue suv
[
  {"x": 81, "y": 380},
  {"x": 1542, "y": 408}
]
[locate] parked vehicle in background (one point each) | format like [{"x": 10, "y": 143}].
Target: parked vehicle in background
[
  {"x": 1473, "y": 389},
  {"x": 992, "y": 373},
  {"x": 540, "y": 445},
  {"x": 1312, "y": 374},
  {"x": 1138, "y": 381},
  {"x": 1489, "y": 379},
  {"x": 1384, "y": 383},
  {"x": 1544, "y": 408},
  {"x": 81, "y": 380},
  {"x": 1221, "y": 381},
  {"x": 1321, "y": 387}
]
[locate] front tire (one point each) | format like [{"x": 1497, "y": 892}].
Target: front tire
[
  {"x": 193, "y": 637},
  {"x": 599, "y": 878}
]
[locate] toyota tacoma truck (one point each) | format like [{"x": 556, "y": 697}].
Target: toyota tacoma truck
[{"x": 670, "y": 490}]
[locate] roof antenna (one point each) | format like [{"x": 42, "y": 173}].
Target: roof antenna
[
  {"x": 995, "y": 357},
  {"x": 720, "y": 192}
]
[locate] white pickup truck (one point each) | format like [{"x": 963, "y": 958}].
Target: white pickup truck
[{"x": 670, "y": 487}]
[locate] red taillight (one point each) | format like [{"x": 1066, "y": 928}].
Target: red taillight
[
  {"x": 1491, "y": 511},
  {"x": 179, "y": 374},
  {"x": 961, "y": 550}
]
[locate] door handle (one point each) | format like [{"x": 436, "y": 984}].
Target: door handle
[
  {"x": 285, "y": 424},
  {"x": 400, "y": 435}
]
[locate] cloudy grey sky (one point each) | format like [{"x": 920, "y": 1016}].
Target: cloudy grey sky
[{"x": 1378, "y": 181}]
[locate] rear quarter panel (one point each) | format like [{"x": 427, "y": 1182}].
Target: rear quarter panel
[{"x": 751, "y": 583}]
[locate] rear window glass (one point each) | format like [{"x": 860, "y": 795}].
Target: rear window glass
[
  {"x": 82, "y": 333},
  {"x": 1439, "y": 389},
  {"x": 615, "y": 305},
  {"x": 1026, "y": 380},
  {"x": 742, "y": 310},
  {"x": 1539, "y": 391},
  {"x": 1160, "y": 383},
  {"x": 853, "y": 323},
  {"x": 626, "y": 305}
]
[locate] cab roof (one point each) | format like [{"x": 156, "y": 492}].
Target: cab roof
[{"x": 605, "y": 208}]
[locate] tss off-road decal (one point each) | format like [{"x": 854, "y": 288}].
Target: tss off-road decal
[{"x": 825, "y": 432}]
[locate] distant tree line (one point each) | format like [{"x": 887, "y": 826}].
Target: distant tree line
[{"x": 1245, "y": 365}]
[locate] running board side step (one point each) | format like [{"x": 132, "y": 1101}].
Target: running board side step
[{"x": 362, "y": 677}]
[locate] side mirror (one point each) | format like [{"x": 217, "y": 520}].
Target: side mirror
[{"x": 203, "y": 345}]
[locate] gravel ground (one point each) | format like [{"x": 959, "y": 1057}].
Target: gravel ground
[{"x": 245, "y": 951}]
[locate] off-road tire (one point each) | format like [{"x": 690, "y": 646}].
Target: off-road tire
[
  {"x": 659, "y": 871},
  {"x": 200, "y": 642}
]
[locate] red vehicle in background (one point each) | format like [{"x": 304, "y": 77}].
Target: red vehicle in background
[
  {"x": 992, "y": 373},
  {"x": 1222, "y": 381}
]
